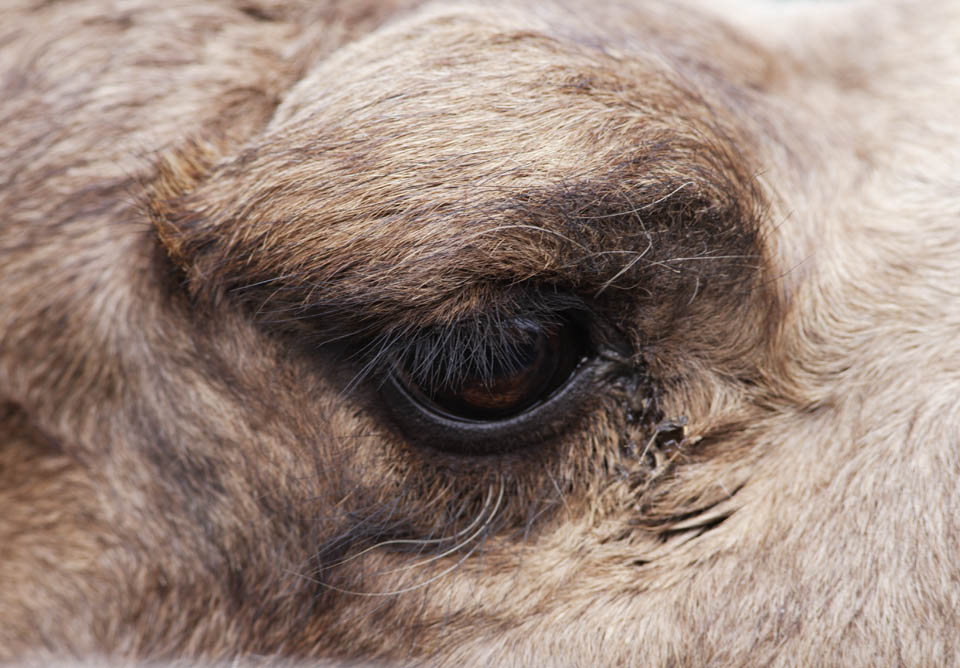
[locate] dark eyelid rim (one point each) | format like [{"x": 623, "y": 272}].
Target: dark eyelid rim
[{"x": 429, "y": 428}]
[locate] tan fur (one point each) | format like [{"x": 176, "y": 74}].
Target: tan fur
[{"x": 206, "y": 208}]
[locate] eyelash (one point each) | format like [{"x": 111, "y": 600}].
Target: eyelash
[
  {"x": 447, "y": 358},
  {"x": 446, "y": 354}
]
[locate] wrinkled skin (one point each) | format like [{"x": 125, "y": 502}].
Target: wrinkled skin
[{"x": 226, "y": 228}]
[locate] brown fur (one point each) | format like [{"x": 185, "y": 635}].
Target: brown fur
[{"x": 219, "y": 220}]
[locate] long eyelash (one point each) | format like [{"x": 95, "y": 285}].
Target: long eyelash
[{"x": 476, "y": 348}]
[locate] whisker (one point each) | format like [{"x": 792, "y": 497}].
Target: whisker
[
  {"x": 425, "y": 541},
  {"x": 624, "y": 270},
  {"x": 636, "y": 210},
  {"x": 711, "y": 257},
  {"x": 455, "y": 548},
  {"x": 419, "y": 585},
  {"x": 248, "y": 286},
  {"x": 500, "y": 228}
]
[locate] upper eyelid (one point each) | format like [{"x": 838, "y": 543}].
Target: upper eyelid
[
  {"x": 452, "y": 352},
  {"x": 380, "y": 349}
]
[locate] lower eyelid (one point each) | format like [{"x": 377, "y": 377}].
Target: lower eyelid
[{"x": 537, "y": 424}]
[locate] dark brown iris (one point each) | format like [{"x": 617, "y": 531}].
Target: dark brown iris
[{"x": 531, "y": 372}]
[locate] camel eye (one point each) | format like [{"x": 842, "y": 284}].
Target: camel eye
[
  {"x": 499, "y": 395},
  {"x": 508, "y": 381}
]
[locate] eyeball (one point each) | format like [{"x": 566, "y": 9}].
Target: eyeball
[{"x": 500, "y": 403}]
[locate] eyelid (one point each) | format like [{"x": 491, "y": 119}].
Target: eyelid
[
  {"x": 534, "y": 425},
  {"x": 441, "y": 347}
]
